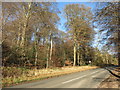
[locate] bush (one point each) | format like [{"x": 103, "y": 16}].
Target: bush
[{"x": 13, "y": 71}]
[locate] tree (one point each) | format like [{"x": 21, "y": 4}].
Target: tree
[
  {"x": 79, "y": 25},
  {"x": 108, "y": 20},
  {"x": 28, "y": 25}
]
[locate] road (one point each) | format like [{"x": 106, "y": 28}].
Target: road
[{"x": 85, "y": 79}]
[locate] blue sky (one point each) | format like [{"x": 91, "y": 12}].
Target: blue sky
[{"x": 61, "y": 6}]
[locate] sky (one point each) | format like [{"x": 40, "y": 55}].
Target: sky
[{"x": 61, "y": 6}]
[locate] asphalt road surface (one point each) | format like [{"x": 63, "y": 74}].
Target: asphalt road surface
[{"x": 85, "y": 79}]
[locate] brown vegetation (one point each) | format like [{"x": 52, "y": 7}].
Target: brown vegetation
[
  {"x": 19, "y": 75},
  {"x": 31, "y": 40},
  {"x": 111, "y": 81}
]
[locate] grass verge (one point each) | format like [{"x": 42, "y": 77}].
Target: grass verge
[
  {"x": 111, "y": 81},
  {"x": 39, "y": 74}
]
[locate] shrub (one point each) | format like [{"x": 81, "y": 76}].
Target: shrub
[{"x": 13, "y": 71}]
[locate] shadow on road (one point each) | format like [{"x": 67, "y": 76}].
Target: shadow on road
[
  {"x": 113, "y": 81},
  {"x": 115, "y": 69}
]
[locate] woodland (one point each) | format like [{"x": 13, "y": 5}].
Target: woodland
[{"x": 31, "y": 38}]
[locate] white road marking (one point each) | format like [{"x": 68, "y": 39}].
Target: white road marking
[
  {"x": 99, "y": 73},
  {"x": 74, "y": 79},
  {"x": 78, "y": 78}
]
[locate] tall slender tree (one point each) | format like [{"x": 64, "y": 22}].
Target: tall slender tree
[
  {"x": 107, "y": 17},
  {"x": 78, "y": 23}
]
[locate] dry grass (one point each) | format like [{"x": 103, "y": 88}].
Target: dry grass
[
  {"x": 111, "y": 81},
  {"x": 43, "y": 73}
]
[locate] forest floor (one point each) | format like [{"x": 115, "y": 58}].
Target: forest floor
[
  {"x": 111, "y": 81},
  {"x": 39, "y": 74}
]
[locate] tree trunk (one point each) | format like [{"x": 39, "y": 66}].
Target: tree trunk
[
  {"x": 64, "y": 58},
  {"x": 18, "y": 41},
  {"x": 36, "y": 58},
  {"x": 75, "y": 51},
  {"x": 78, "y": 58},
  {"x": 36, "y": 55},
  {"x": 23, "y": 36},
  {"x": 47, "y": 62},
  {"x": 74, "y": 55},
  {"x": 19, "y": 35},
  {"x": 118, "y": 45},
  {"x": 26, "y": 17},
  {"x": 119, "y": 59},
  {"x": 78, "y": 55},
  {"x": 81, "y": 57},
  {"x": 51, "y": 44},
  {"x": 36, "y": 52}
]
